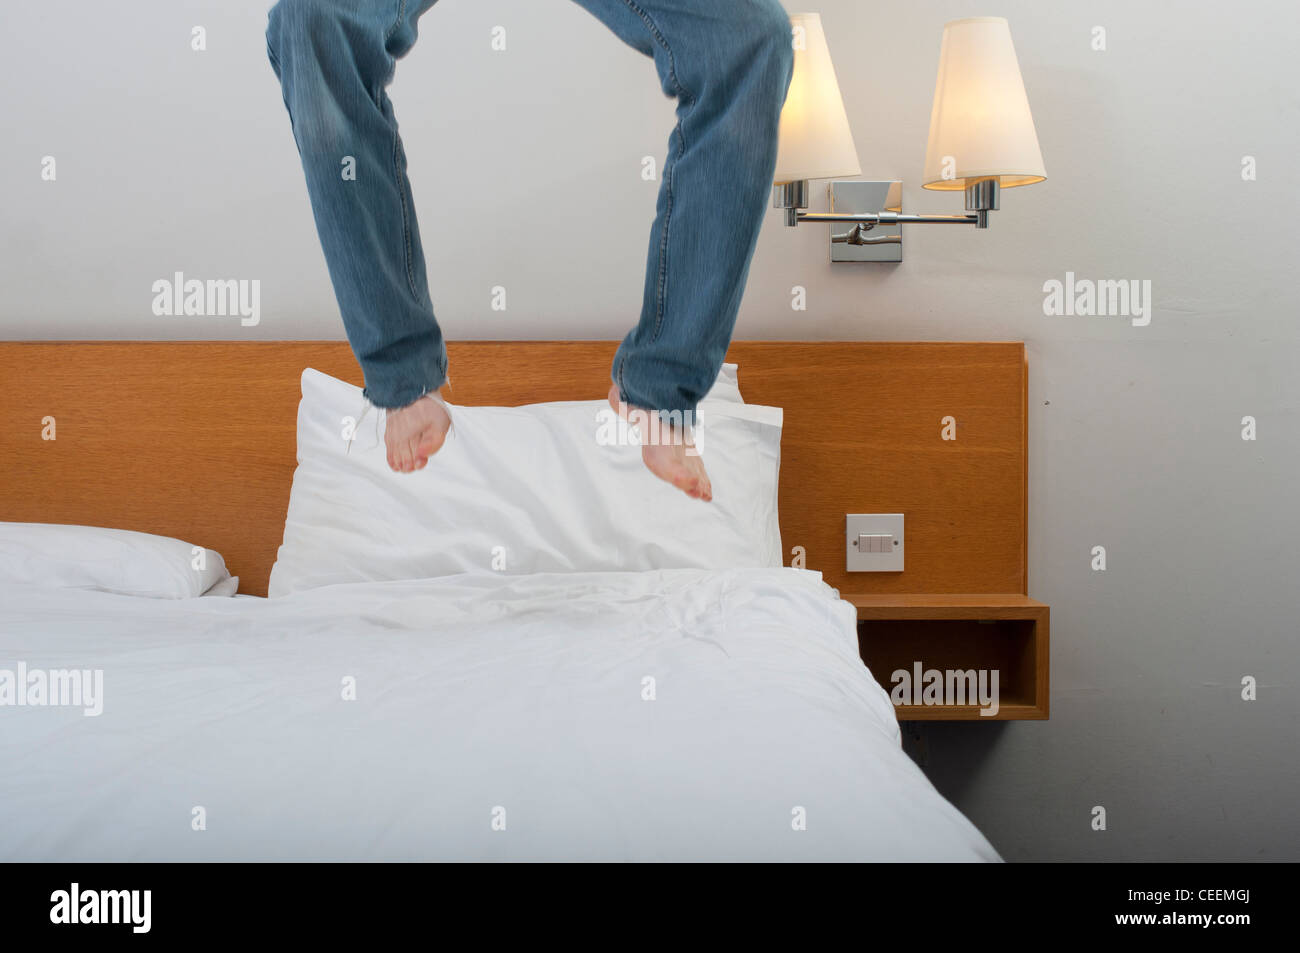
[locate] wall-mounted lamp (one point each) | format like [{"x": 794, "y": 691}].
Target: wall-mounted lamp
[{"x": 982, "y": 139}]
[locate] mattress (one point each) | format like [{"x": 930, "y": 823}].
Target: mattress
[{"x": 669, "y": 715}]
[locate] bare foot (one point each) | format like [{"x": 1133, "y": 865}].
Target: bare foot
[
  {"x": 667, "y": 459},
  {"x": 415, "y": 432}
]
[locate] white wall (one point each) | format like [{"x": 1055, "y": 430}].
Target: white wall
[{"x": 526, "y": 171}]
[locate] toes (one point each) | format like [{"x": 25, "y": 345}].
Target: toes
[
  {"x": 703, "y": 488},
  {"x": 689, "y": 484},
  {"x": 407, "y": 456},
  {"x": 399, "y": 458}
]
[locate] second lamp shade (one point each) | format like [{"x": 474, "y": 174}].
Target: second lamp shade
[{"x": 980, "y": 126}]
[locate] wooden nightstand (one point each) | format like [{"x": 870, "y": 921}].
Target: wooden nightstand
[{"x": 1006, "y": 632}]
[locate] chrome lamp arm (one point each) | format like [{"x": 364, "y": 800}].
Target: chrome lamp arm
[{"x": 981, "y": 198}]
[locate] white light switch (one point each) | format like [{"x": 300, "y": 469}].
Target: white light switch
[
  {"x": 874, "y": 542},
  {"x": 877, "y": 543}
]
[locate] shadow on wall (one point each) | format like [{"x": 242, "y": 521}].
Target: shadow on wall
[{"x": 966, "y": 748}]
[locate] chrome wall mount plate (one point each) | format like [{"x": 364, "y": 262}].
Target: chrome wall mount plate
[{"x": 858, "y": 242}]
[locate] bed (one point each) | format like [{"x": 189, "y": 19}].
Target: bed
[{"x": 522, "y": 701}]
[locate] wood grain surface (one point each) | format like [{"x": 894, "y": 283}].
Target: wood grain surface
[{"x": 196, "y": 440}]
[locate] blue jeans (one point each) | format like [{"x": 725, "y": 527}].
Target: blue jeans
[{"x": 727, "y": 63}]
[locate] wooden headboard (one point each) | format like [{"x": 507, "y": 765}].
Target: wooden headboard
[{"x": 196, "y": 440}]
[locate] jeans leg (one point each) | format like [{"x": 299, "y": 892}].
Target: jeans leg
[
  {"x": 728, "y": 63},
  {"x": 334, "y": 60}
]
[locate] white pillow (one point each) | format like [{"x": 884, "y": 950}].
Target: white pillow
[
  {"x": 727, "y": 386},
  {"x": 519, "y": 490},
  {"x": 59, "y": 556}
]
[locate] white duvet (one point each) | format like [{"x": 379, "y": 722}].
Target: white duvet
[{"x": 671, "y": 715}]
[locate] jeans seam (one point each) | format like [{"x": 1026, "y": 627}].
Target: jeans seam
[
  {"x": 401, "y": 12},
  {"x": 406, "y": 222},
  {"x": 397, "y": 151},
  {"x": 658, "y": 35},
  {"x": 688, "y": 99}
]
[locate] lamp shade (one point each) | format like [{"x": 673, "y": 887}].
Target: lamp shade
[
  {"x": 815, "y": 141},
  {"x": 980, "y": 126}
]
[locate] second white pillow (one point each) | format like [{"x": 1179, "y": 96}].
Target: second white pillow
[{"x": 519, "y": 490}]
